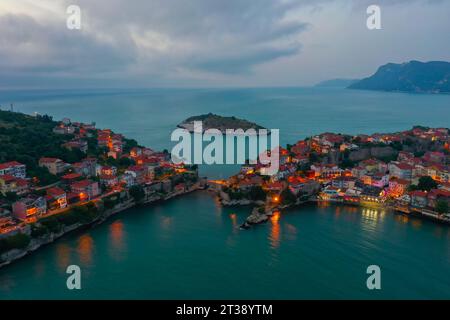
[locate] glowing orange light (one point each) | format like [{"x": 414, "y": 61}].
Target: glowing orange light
[
  {"x": 275, "y": 217},
  {"x": 275, "y": 199}
]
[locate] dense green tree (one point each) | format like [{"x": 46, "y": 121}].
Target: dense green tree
[
  {"x": 137, "y": 193},
  {"x": 427, "y": 183},
  {"x": 287, "y": 197},
  {"x": 257, "y": 193},
  {"x": 442, "y": 207}
]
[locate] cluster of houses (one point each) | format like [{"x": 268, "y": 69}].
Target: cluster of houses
[
  {"x": 368, "y": 182},
  {"x": 82, "y": 181}
]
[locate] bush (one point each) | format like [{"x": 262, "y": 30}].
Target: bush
[
  {"x": 38, "y": 230},
  {"x": 137, "y": 192},
  {"x": 287, "y": 197},
  {"x": 18, "y": 241},
  {"x": 257, "y": 193}
]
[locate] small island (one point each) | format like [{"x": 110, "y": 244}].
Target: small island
[{"x": 214, "y": 121}]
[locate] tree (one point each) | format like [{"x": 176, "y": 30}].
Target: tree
[
  {"x": 257, "y": 193},
  {"x": 287, "y": 197},
  {"x": 11, "y": 196},
  {"x": 427, "y": 183},
  {"x": 442, "y": 206},
  {"x": 137, "y": 192}
]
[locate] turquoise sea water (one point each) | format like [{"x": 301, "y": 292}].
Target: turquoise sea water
[{"x": 191, "y": 247}]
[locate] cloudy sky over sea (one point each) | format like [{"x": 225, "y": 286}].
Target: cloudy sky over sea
[{"x": 204, "y": 43}]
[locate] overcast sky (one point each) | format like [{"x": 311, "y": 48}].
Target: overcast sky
[{"x": 207, "y": 43}]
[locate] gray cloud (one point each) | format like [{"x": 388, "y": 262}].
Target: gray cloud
[{"x": 157, "y": 41}]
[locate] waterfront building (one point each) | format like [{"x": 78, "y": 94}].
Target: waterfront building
[
  {"x": 86, "y": 189},
  {"x": 29, "y": 209},
  {"x": 438, "y": 195},
  {"x": 56, "y": 198},
  {"x": 419, "y": 199}
]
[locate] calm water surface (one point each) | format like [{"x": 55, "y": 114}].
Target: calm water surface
[{"x": 191, "y": 247}]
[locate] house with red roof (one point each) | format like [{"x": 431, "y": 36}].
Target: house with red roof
[
  {"x": 9, "y": 183},
  {"x": 29, "y": 209},
  {"x": 54, "y": 165},
  {"x": 87, "y": 189},
  {"x": 397, "y": 187},
  {"x": 56, "y": 198},
  {"x": 139, "y": 173},
  {"x": 13, "y": 168},
  {"x": 419, "y": 199},
  {"x": 400, "y": 170},
  {"x": 436, "y": 195},
  {"x": 108, "y": 180}
]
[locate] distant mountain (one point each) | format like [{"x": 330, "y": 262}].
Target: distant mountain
[
  {"x": 413, "y": 76},
  {"x": 336, "y": 83}
]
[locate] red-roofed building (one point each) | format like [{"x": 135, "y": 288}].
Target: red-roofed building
[
  {"x": 9, "y": 183},
  {"x": 87, "y": 189},
  {"x": 438, "y": 195},
  {"x": 57, "y": 198},
  {"x": 139, "y": 173},
  {"x": 71, "y": 177},
  {"x": 30, "y": 208},
  {"x": 13, "y": 168},
  {"x": 55, "y": 166},
  {"x": 419, "y": 199},
  {"x": 400, "y": 170},
  {"x": 397, "y": 187},
  {"x": 437, "y": 157},
  {"x": 109, "y": 180}
]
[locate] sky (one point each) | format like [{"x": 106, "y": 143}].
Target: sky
[{"x": 212, "y": 43}]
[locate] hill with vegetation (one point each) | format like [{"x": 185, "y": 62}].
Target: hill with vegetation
[
  {"x": 214, "y": 121},
  {"x": 413, "y": 76}
]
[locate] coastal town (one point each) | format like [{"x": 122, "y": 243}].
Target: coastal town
[
  {"x": 63, "y": 175},
  {"x": 50, "y": 196},
  {"x": 407, "y": 172}
]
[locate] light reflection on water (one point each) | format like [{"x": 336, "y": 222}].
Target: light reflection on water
[
  {"x": 274, "y": 236},
  {"x": 85, "y": 249},
  {"x": 117, "y": 241},
  {"x": 62, "y": 255}
]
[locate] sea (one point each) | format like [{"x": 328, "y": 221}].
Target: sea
[{"x": 192, "y": 248}]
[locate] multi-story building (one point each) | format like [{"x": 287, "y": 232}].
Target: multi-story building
[
  {"x": 30, "y": 208},
  {"x": 56, "y": 198},
  {"x": 55, "y": 166},
  {"x": 400, "y": 170},
  {"x": 86, "y": 189},
  {"x": 13, "y": 168}
]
